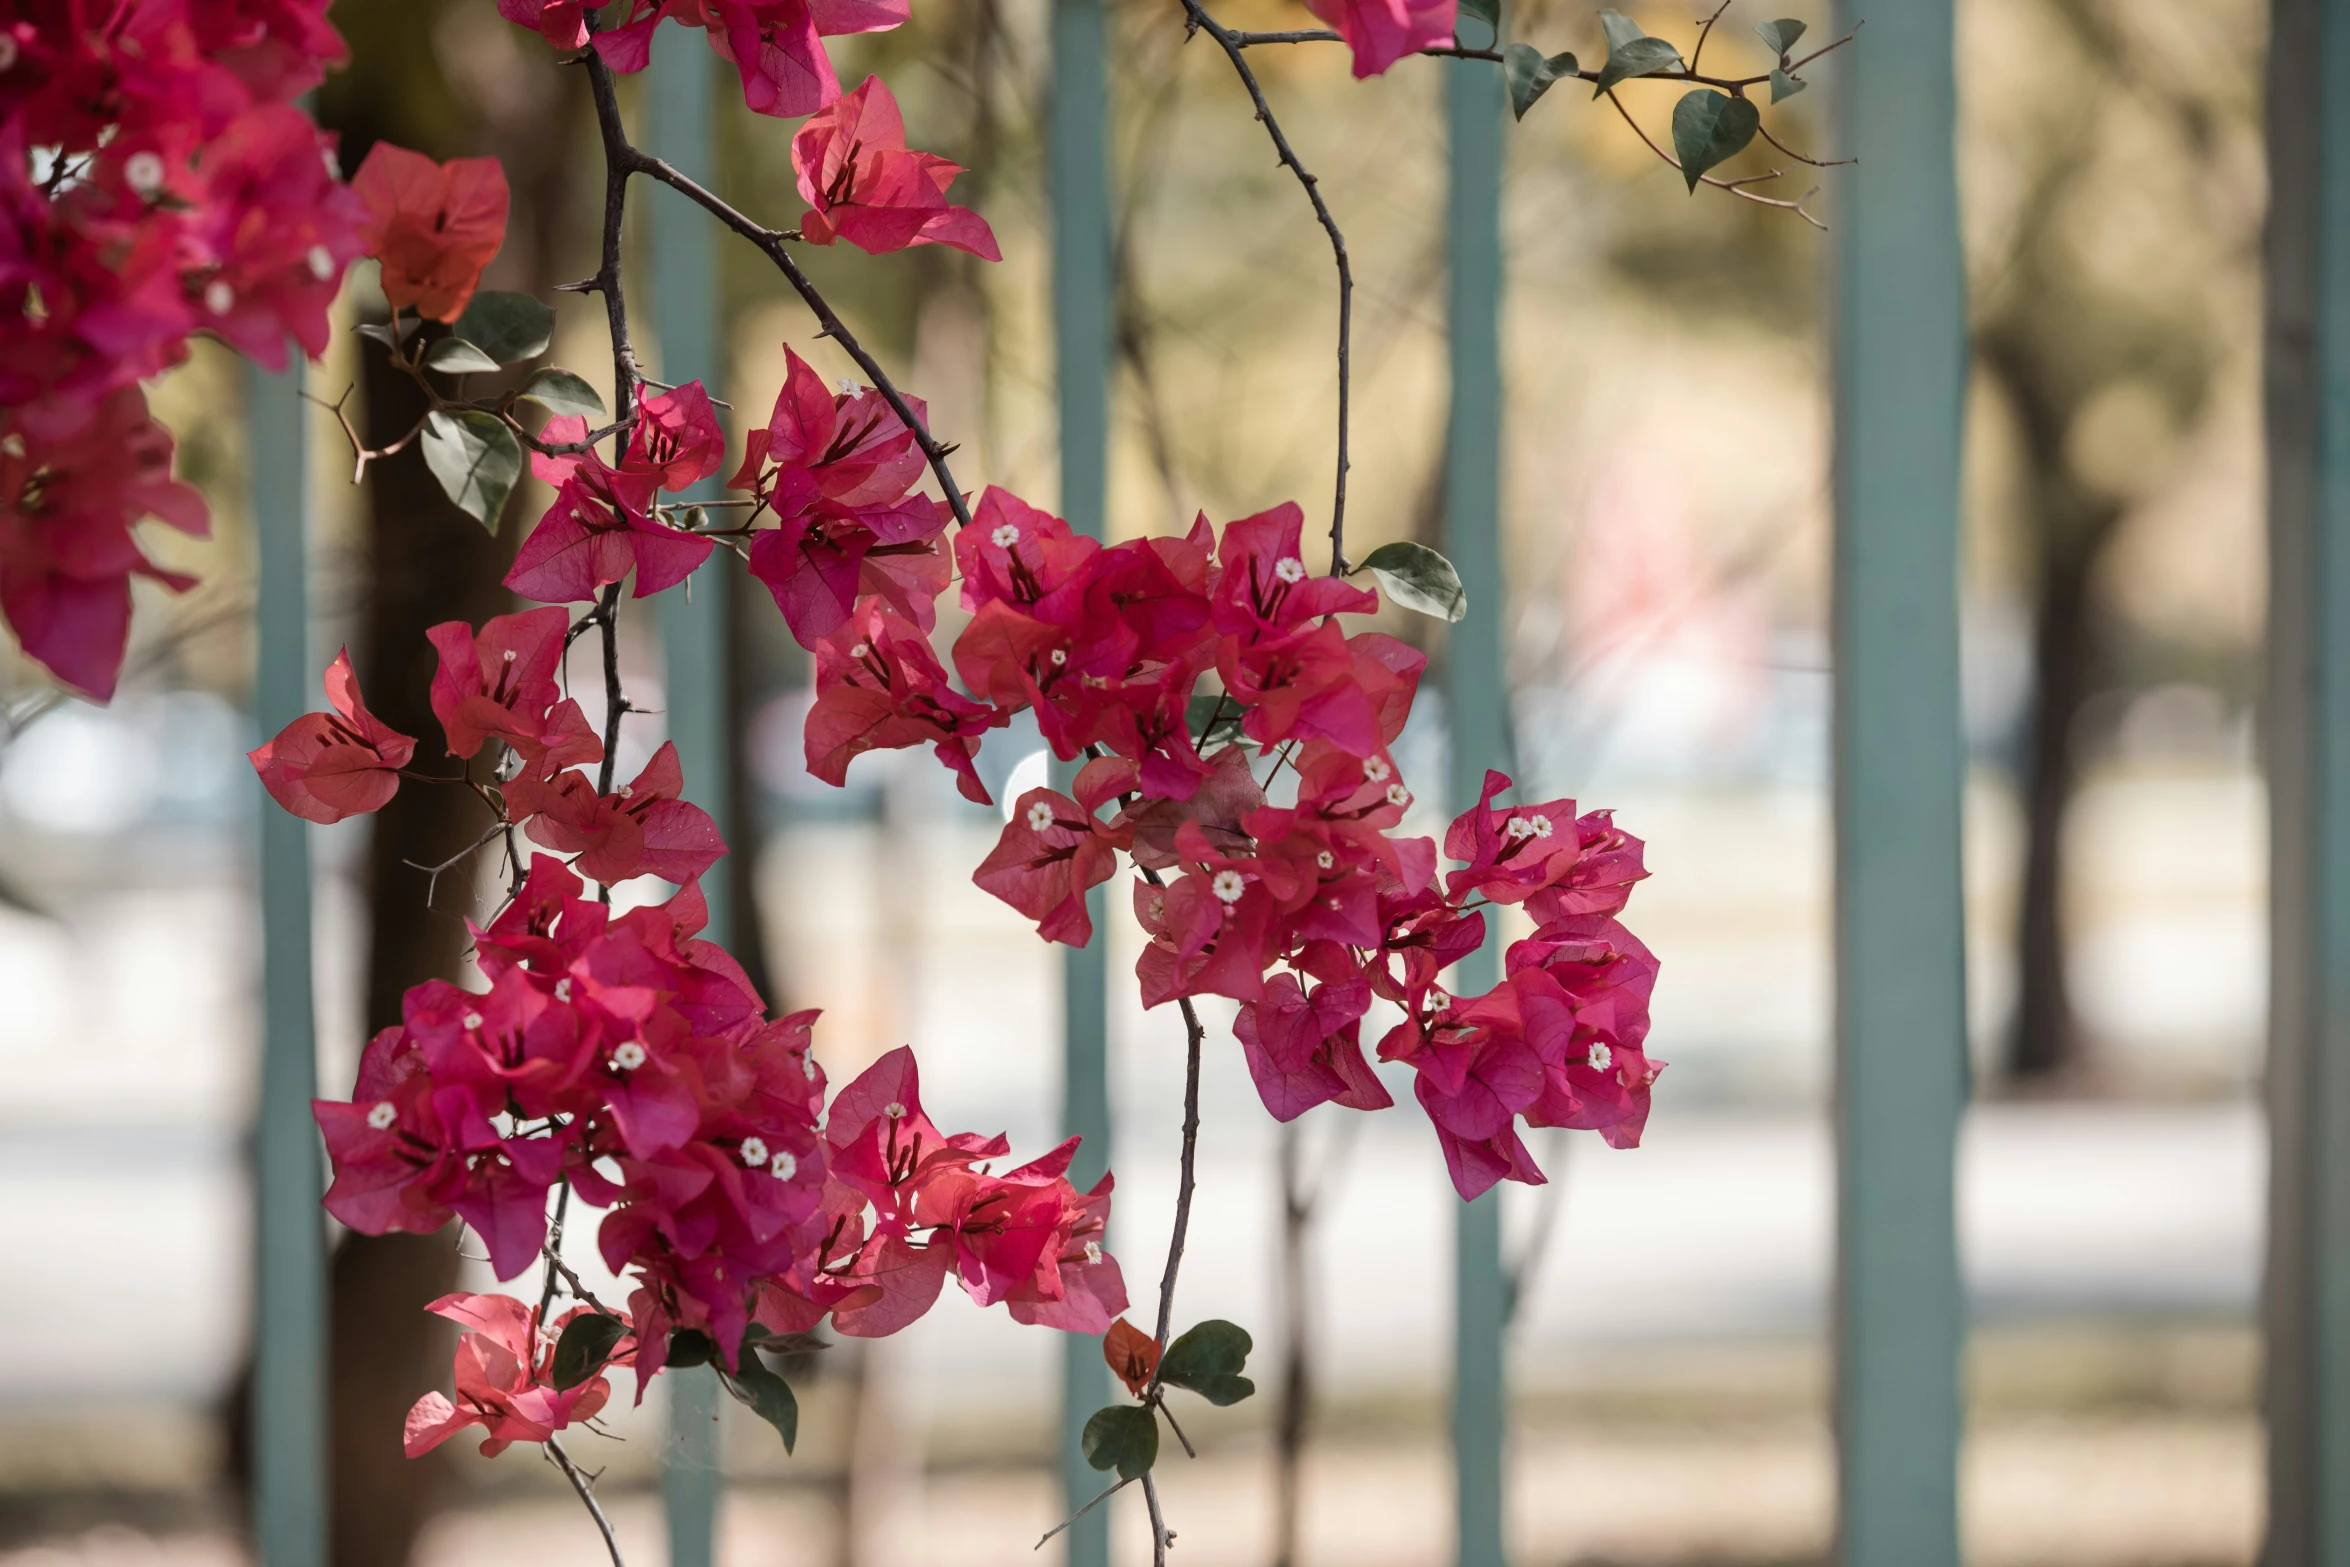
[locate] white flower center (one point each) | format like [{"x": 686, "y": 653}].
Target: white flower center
[
  {"x": 1375, "y": 769},
  {"x": 808, "y": 1066},
  {"x": 1333, "y": 902},
  {"x": 321, "y": 262},
  {"x": 1006, "y": 536},
  {"x": 860, "y": 650},
  {"x": 1325, "y": 859},
  {"x": 219, "y": 298},
  {"x": 381, "y": 1115},
  {"x": 1093, "y": 1253},
  {"x": 894, "y": 1110},
  {"x": 473, "y": 1020},
  {"x": 1439, "y": 999},
  {"x": 563, "y": 988},
  {"x": 506, "y": 657},
  {"x": 1060, "y": 656},
  {"x": 1228, "y": 886},
  {"x": 754, "y": 1151},
  {"x": 1290, "y": 569},
  {"x": 784, "y": 1167},
  {"x": 1397, "y": 794},
  {"x": 628, "y": 1055},
  {"x": 1517, "y": 829},
  {"x": 1601, "y": 1056},
  {"x": 144, "y": 170},
  {"x": 1158, "y": 907},
  {"x": 1040, "y": 816}
]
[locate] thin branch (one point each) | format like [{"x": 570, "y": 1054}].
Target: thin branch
[
  {"x": 1705, "y": 30},
  {"x": 1199, "y": 21},
  {"x": 1732, "y": 84},
  {"x": 433, "y": 872},
  {"x": 1112, "y": 1489},
  {"x": 1734, "y": 187},
  {"x": 1161, "y": 1535},
  {"x": 587, "y": 1495},
  {"x": 1817, "y": 163}
]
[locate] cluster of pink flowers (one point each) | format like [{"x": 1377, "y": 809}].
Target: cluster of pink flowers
[{"x": 155, "y": 181}]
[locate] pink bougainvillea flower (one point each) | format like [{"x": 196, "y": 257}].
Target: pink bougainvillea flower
[
  {"x": 1609, "y": 861},
  {"x": 1055, "y": 848},
  {"x": 326, "y": 766},
  {"x": 500, "y": 685},
  {"x": 879, "y": 687},
  {"x": 1304, "y": 1048},
  {"x": 640, "y": 829},
  {"x": 1510, "y": 852},
  {"x": 562, "y": 23},
  {"x": 1381, "y": 32},
  {"x": 863, "y": 185},
  {"x": 504, "y": 1369},
  {"x": 276, "y": 229},
  {"x": 598, "y": 531},
  {"x": 774, "y": 44},
  {"x": 676, "y": 442},
  {"x": 434, "y": 226}
]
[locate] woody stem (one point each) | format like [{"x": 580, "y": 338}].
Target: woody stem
[{"x": 587, "y": 1495}]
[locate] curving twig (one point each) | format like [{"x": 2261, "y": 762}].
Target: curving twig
[
  {"x": 587, "y": 1494},
  {"x": 1735, "y": 187}
]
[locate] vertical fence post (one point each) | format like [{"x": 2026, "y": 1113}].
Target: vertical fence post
[
  {"x": 1477, "y": 711},
  {"x": 694, "y": 661},
  {"x": 1899, "y": 766},
  {"x": 289, "y": 1319},
  {"x": 2307, "y": 368},
  {"x": 1079, "y": 136}
]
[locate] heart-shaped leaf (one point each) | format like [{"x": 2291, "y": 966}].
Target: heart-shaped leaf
[
  {"x": 1619, "y": 28},
  {"x": 455, "y": 356},
  {"x": 1486, "y": 11},
  {"x": 587, "y": 1342},
  {"x": 1530, "y": 75},
  {"x": 689, "y": 1347},
  {"x": 1124, "y": 1437},
  {"x": 1208, "y": 1360},
  {"x": 1709, "y": 128},
  {"x": 475, "y": 457},
  {"x": 1785, "y": 86},
  {"x": 1635, "y": 57},
  {"x": 507, "y": 327},
  {"x": 769, "y": 1397},
  {"x": 1416, "y": 577},
  {"x": 561, "y": 392},
  {"x": 1779, "y": 36}
]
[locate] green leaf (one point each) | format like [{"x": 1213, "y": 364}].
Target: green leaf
[
  {"x": 1785, "y": 86},
  {"x": 1124, "y": 1437},
  {"x": 769, "y": 1397},
  {"x": 1213, "y": 720},
  {"x": 1620, "y": 29},
  {"x": 1709, "y": 128},
  {"x": 774, "y": 1343},
  {"x": 584, "y": 1347},
  {"x": 689, "y": 1348},
  {"x": 507, "y": 327},
  {"x": 476, "y": 458},
  {"x": 1416, "y": 577},
  {"x": 455, "y": 356},
  {"x": 1635, "y": 57},
  {"x": 561, "y": 392},
  {"x": 1208, "y": 1360},
  {"x": 1486, "y": 11},
  {"x": 1530, "y": 75},
  {"x": 387, "y": 333},
  {"x": 1779, "y": 36}
]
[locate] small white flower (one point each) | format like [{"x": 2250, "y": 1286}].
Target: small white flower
[
  {"x": 1325, "y": 859},
  {"x": 1397, "y": 794},
  {"x": 1040, "y": 816},
  {"x": 808, "y": 1066},
  {"x": 1006, "y": 536},
  {"x": 321, "y": 262},
  {"x": 1601, "y": 1056},
  {"x": 326, "y": 155},
  {"x": 848, "y": 388},
  {"x": 1541, "y": 826},
  {"x": 894, "y": 1110},
  {"x": 1060, "y": 656},
  {"x": 473, "y": 1020},
  {"x": 1334, "y": 905},
  {"x": 860, "y": 650},
  {"x": 1518, "y": 828},
  {"x": 628, "y": 1055},
  {"x": 1158, "y": 907},
  {"x": 506, "y": 657},
  {"x": 1290, "y": 569},
  {"x": 144, "y": 171},
  {"x": 783, "y": 1167},
  {"x": 563, "y": 988},
  {"x": 381, "y": 1115},
  {"x": 1375, "y": 769},
  {"x": 1228, "y": 885},
  {"x": 754, "y": 1151},
  {"x": 624, "y": 791},
  {"x": 1439, "y": 999},
  {"x": 1093, "y": 1253},
  {"x": 219, "y": 298}
]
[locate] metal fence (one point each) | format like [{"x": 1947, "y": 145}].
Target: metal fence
[{"x": 1900, "y": 364}]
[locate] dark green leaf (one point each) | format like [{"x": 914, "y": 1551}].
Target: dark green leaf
[
  {"x": 385, "y": 332},
  {"x": 561, "y": 392},
  {"x": 455, "y": 356},
  {"x": 1635, "y": 57},
  {"x": 1416, "y": 577},
  {"x": 1709, "y": 128},
  {"x": 584, "y": 1347},
  {"x": 688, "y": 1348},
  {"x": 476, "y": 458},
  {"x": 1530, "y": 75},
  {"x": 507, "y": 327},
  {"x": 1779, "y": 36},
  {"x": 783, "y": 1343},
  {"x": 1124, "y": 1437},
  {"x": 1620, "y": 29},
  {"x": 1486, "y": 11},
  {"x": 1785, "y": 86},
  {"x": 1208, "y": 1359},
  {"x": 1213, "y": 720},
  {"x": 769, "y": 1397}
]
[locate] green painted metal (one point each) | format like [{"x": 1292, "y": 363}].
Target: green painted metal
[
  {"x": 684, "y": 318},
  {"x": 1899, "y": 767},
  {"x": 289, "y": 1322},
  {"x": 2307, "y": 363},
  {"x": 1079, "y": 143},
  {"x": 1477, "y": 711}
]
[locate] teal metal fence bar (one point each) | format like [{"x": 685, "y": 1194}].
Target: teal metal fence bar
[
  {"x": 289, "y": 1322},
  {"x": 694, "y": 660},
  {"x": 1477, "y": 710},
  {"x": 1899, "y": 763},
  {"x": 2307, "y": 367},
  {"x": 1079, "y": 143}
]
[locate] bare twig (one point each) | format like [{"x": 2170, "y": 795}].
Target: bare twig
[
  {"x": 1705, "y": 30},
  {"x": 1731, "y": 84},
  {"x": 1734, "y": 187},
  {"x": 1817, "y": 163},
  {"x": 1108, "y": 1491},
  {"x": 1161, "y": 1535},
  {"x": 587, "y": 1495}
]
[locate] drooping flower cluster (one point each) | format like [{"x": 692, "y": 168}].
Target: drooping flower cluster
[
  {"x": 155, "y": 181},
  {"x": 776, "y": 45}
]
